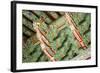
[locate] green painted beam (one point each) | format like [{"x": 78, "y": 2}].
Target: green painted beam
[
  {"x": 54, "y": 15},
  {"x": 42, "y": 14},
  {"x": 29, "y": 15}
]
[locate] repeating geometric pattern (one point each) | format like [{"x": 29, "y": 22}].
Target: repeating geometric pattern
[{"x": 59, "y": 35}]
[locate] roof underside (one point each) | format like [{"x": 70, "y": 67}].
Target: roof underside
[{"x": 58, "y": 33}]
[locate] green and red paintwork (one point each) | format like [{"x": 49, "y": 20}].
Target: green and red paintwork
[{"x": 58, "y": 33}]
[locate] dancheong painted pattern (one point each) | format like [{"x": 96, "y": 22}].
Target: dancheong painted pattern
[{"x": 55, "y": 36}]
